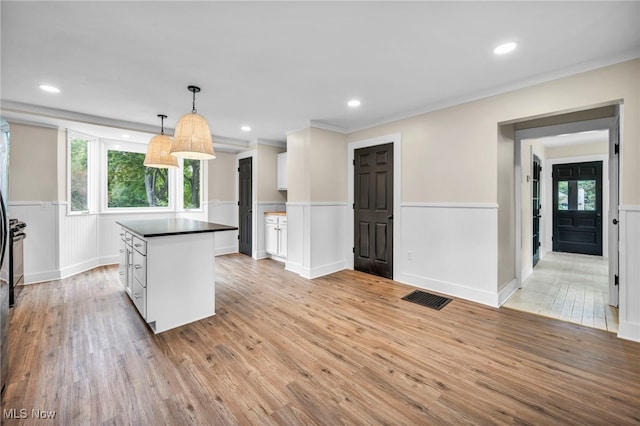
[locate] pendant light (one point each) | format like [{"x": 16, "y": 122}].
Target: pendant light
[
  {"x": 159, "y": 149},
  {"x": 192, "y": 138}
]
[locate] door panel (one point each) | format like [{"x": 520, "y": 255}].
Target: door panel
[
  {"x": 245, "y": 202},
  {"x": 373, "y": 210},
  {"x": 577, "y": 208}
]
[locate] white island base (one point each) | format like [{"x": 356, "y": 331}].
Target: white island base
[
  {"x": 168, "y": 269},
  {"x": 181, "y": 280}
]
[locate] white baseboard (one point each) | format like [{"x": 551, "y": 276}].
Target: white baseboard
[
  {"x": 298, "y": 269},
  {"x": 629, "y": 331},
  {"x": 79, "y": 267},
  {"x": 226, "y": 250},
  {"x": 108, "y": 260},
  {"x": 507, "y": 291},
  {"x": 327, "y": 269},
  {"x": 450, "y": 289},
  {"x": 40, "y": 277}
]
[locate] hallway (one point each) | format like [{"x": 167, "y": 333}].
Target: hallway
[{"x": 569, "y": 287}]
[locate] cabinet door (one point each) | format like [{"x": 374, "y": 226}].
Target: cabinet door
[
  {"x": 271, "y": 235},
  {"x": 282, "y": 225}
]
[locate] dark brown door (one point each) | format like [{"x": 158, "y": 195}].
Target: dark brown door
[
  {"x": 373, "y": 210},
  {"x": 577, "y": 208},
  {"x": 245, "y": 198},
  {"x": 536, "y": 168}
]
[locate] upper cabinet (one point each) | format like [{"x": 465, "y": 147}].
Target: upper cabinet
[{"x": 282, "y": 171}]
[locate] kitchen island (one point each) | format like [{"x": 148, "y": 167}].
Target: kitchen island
[{"x": 168, "y": 269}]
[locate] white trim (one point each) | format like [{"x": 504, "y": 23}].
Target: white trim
[
  {"x": 396, "y": 139},
  {"x": 629, "y": 208},
  {"x": 507, "y": 291},
  {"x": 453, "y": 205},
  {"x": 629, "y": 331},
  {"x": 450, "y": 289},
  {"x": 277, "y": 144},
  {"x": 329, "y": 127}
]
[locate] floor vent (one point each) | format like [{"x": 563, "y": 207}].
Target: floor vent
[{"x": 427, "y": 299}]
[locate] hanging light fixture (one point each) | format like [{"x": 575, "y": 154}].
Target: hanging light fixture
[
  {"x": 159, "y": 149},
  {"x": 192, "y": 138}
]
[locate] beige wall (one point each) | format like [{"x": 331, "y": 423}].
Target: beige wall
[
  {"x": 222, "y": 177},
  {"x": 463, "y": 137},
  {"x": 33, "y": 157},
  {"x": 598, "y": 148},
  {"x": 298, "y": 166},
  {"x": 328, "y": 166},
  {"x": 266, "y": 163},
  {"x": 506, "y": 206}
]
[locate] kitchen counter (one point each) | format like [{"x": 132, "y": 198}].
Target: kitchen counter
[
  {"x": 166, "y": 227},
  {"x": 275, "y": 213}
]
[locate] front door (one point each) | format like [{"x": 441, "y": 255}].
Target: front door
[
  {"x": 536, "y": 168},
  {"x": 577, "y": 208},
  {"x": 245, "y": 208},
  {"x": 373, "y": 210}
]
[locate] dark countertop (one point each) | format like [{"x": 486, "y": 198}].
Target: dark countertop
[{"x": 166, "y": 227}]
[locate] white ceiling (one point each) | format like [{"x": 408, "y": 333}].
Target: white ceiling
[
  {"x": 277, "y": 66},
  {"x": 579, "y": 138}
]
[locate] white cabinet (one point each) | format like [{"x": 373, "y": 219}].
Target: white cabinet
[
  {"x": 276, "y": 236},
  {"x": 282, "y": 171}
]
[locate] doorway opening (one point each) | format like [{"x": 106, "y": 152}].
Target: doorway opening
[{"x": 568, "y": 173}]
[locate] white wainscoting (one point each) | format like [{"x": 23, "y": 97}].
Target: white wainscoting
[
  {"x": 226, "y": 213},
  {"x": 450, "y": 249},
  {"x": 59, "y": 245},
  {"x": 41, "y": 261},
  {"x": 317, "y": 238},
  {"x": 259, "y": 245},
  {"x": 629, "y": 308}
]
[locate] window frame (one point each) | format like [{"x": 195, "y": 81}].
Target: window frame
[{"x": 92, "y": 164}]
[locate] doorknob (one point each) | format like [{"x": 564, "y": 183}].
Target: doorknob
[
  {"x": 615, "y": 221},
  {"x": 390, "y": 217}
]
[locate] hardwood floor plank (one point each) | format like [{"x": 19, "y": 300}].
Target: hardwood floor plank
[{"x": 281, "y": 350}]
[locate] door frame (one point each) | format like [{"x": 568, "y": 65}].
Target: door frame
[
  {"x": 607, "y": 123},
  {"x": 396, "y": 139},
  {"x": 252, "y": 153}
]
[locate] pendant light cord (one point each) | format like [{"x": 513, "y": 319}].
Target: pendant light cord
[{"x": 193, "y": 110}]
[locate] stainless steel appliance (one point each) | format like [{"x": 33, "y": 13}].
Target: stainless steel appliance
[
  {"x": 16, "y": 258},
  {"x": 4, "y": 247}
]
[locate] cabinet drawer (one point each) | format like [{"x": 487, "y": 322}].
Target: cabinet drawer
[
  {"x": 140, "y": 267},
  {"x": 128, "y": 238},
  {"x": 139, "y": 297},
  {"x": 122, "y": 233},
  {"x": 140, "y": 245},
  {"x": 272, "y": 220},
  {"x": 282, "y": 222}
]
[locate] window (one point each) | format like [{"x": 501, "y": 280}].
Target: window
[
  {"x": 577, "y": 195},
  {"x": 131, "y": 184},
  {"x": 110, "y": 176},
  {"x": 79, "y": 174},
  {"x": 191, "y": 183}
]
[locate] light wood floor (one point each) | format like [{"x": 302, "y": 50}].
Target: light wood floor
[
  {"x": 342, "y": 349},
  {"x": 570, "y": 287}
]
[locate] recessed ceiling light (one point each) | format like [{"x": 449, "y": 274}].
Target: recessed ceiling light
[
  {"x": 505, "y": 48},
  {"x": 354, "y": 103},
  {"x": 245, "y": 128},
  {"x": 49, "y": 88}
]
